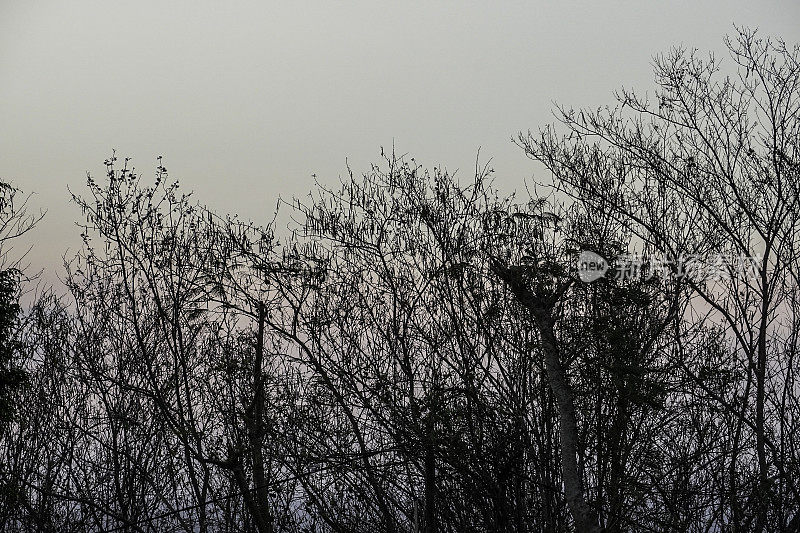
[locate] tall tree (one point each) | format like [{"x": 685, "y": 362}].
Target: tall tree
[
  {"x": 15, "y": 221},
  {"x": 708, "y": 169}
]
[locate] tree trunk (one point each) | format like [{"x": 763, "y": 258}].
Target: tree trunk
[
  {"x": 585, "y": 519},
  {"x": 582, "y": 514},
  {"x": 430, "y": 491},
  {"x": 256, "y": 432},
  {"x": 761, "y": 371}
]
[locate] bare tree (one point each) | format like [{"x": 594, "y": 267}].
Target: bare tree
[{"x": 708, "y": 168}]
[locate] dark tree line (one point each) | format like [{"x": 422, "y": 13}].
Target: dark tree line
[{"x": 421, "y": 354}]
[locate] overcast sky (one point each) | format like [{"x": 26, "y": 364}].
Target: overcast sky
[{"x": 246, "y": 101}]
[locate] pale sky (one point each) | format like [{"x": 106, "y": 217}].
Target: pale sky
[{"x": 246, "y": 100}]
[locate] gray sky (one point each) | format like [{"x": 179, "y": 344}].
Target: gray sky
[{"x": 246, "y": 101}]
